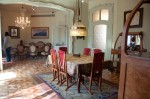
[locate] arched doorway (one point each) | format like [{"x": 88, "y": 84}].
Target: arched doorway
[{"x": 69, "y": 12}]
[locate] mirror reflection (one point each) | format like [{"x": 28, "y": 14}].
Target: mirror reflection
[{"x": 133, "y": 43}]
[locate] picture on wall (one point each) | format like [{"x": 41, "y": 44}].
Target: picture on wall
[
  {"x": 137, "y": 19},
  {"x": 14, "y": 31},
  {"x": 40, "y": 32}
]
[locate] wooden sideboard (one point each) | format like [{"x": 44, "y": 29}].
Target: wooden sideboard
[{"x": 135, "y": 68}]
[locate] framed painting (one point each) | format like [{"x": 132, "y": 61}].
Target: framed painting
[
  {"x": 137, "y": 19},
  {"x": 14, "y": 32},
  {"x": 40, "y": 32}
]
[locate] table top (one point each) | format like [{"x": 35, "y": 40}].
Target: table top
[
  {"x": 73, "y": 62},
  {"x": 79, "y": 60}
]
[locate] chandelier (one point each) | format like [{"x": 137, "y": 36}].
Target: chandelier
[
  {"x": 22, "y": 21},
  {"x": 78, "y": 29}
]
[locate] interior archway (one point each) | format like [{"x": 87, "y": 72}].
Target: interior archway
[{"x": 69, "y": 12}]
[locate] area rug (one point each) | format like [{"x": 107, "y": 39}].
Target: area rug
[{"x": 107, "y": 92}]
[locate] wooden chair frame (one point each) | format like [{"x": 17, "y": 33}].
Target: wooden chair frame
[
  {"x": 93, "y": 76},
  {"x": 63, "y": 75},
  {"x": 55, "y": 67}
]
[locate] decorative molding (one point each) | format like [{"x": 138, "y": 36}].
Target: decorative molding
[{"x": 43, "y": 15}]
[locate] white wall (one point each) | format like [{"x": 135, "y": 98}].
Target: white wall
[
  {"x": 8, "y": 19},
  {"x": 80, "y": 44},
  {"x": 25, "y": 34},
  {"x": 119, "y": 7},
  {"x": 125, "y": 5},
  {"x": 42, "y": 22}
]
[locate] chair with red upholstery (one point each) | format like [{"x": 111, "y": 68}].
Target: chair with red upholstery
[
  {"x": 63, "y": 75},
  {"x": 87, "y": 51},
  {"x": 55, "y": 67},
  {"x": 97, "y": 50},
  {"x": 95, "y": 73},
  {"x": 63, "y": 49}
]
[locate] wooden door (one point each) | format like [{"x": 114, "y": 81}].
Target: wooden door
[{"x": 135, "y": 69}]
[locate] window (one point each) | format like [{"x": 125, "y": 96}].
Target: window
[
  {"x": 96, "y": 16},
  {"x": 104, "y": 14}
]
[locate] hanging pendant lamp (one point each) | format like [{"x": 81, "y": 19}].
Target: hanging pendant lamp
[{"x": 78, "y": 29}]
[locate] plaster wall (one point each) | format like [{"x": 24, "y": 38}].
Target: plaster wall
[
  {"x": 25, "y": 34},
  {"x": 125, "y": 5},
  {"x": 119, "y": 7},
  {"x": 80, "y": 44}
]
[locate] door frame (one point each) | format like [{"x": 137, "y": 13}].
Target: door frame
[{"x": 109, "y": 24}]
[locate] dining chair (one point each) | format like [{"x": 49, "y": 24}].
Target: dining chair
[
  {"x": 55, "y": 67},
  {"x": 31, "y": 43},
  {"x": 40, "y": 46},
  {"x": 20, "y": 51},
  {"x": 63, "y": 49},
  {"x": 97, "y": 50},
  {"x": 95, "y": 73},
  {"x": 63, "y": 75},
  {"x": 46, "y": 51},
  {"x": 87, "y": 51},
  {"x": 13, "y": 52},
  {"x": 32, "y": 50},
  {"x": 49, "y": 44}
]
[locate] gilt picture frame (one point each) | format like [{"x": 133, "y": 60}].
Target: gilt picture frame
[
  {"x": 14, "y": 32},
  {"x": 40, "y": 32},
  {"x": 137, "y": 19}
]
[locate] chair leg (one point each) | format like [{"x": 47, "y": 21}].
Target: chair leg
[
  {"x": 90, "y": 84},
  {"x": 53, "y": 75},
  {"x": 60, "y": 75},
  {"x": 100, "y": 83},
  {"x": 79, "y": 82},
  {"x": 58, "y": 78},
  {"x": 67, "y": 83}
]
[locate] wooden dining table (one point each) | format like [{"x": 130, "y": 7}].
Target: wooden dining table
[{"x": 74, "y": 63}]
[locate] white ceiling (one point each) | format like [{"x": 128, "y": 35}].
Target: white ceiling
[
  {"x": 29, "y": 9},
  {"x": 71, "y": 4}
]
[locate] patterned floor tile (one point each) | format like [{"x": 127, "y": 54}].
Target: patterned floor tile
[{"x": 16, "y": 82}]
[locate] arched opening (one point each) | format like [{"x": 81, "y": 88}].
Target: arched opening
[{"x": 69, "y": 20}]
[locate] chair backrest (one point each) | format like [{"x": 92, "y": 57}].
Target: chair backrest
[
  {"x": 40, "y": 46},
  {"x": 49, "y": 44},
  {"x": 31, "y": 43},
  {"x": 87, "y": 51},
  {"x": 54, "y": 58},
  {"x": 63, "y": 49},
  {"x": 47, "y": 48},
  {"x": 97, "y": 63},
  {"x": 32, "y": 48},
  {"x": 20, "y": 48},
  {"x": 97, "y": 50},
  {"x": 62, "y": 60}
]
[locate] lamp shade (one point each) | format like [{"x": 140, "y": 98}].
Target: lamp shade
[{"x": 78, "y": 29}]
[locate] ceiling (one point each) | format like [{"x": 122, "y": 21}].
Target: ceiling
[
  {"x": 29, "y": 9},
  {"x": 71, "y": 4}
]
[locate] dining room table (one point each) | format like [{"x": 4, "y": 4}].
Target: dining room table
[{"x": 74, "y": 64}]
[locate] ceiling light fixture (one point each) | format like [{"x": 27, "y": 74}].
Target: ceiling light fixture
[
  {"x": 78, "y": 29},
  {"x": 22, "y": 21}
]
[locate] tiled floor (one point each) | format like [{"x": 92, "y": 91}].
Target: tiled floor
[{"x": 16, "y": 81}]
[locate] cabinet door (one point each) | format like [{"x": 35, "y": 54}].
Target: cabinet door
[{"x": 134, "y": 78}]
